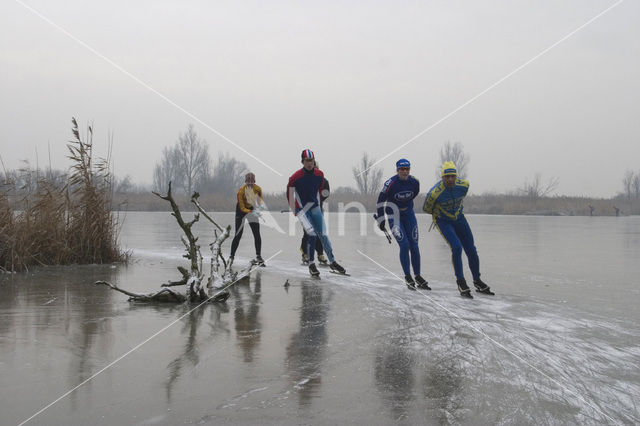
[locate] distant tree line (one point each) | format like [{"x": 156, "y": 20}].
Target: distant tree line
[
  {"x": 26, "y": 181},
  {"x": 188, "y": 165}
]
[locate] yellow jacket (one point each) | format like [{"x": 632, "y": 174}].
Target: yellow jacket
[{"x": 248, "y": 198}]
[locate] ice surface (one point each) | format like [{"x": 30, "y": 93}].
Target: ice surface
[{"x": 549, "y": 348}]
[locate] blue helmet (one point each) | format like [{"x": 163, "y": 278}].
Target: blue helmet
[{"x": 403, "y": 162}]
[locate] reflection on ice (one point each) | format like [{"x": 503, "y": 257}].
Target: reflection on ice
[
  {"x": 247, "y": 315},
  {"x": 305, "y": 351}
]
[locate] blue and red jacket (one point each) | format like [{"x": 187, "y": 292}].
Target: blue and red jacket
[
  {"x": 399, "y": 192},
  {"x": 306, "y": 186}
]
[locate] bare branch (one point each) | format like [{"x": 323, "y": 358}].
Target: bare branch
[
  {"x": 194, "y": 200},
  {"x": 163, "y": 295}
]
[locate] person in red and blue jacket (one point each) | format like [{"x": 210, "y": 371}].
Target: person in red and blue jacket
[
  {"x": 303, "y": 193},
  {"x": 444, "y": 203},
  {"x": 396, "y": 200},
  {"x": 326, "y": 191}
]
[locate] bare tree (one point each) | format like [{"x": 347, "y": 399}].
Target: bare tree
[
  {"x": 636, "y": 185},
  {"x": 167, "y": 170},
  {"x": 537, "y": 189},
  {"x": 454, "y": 152},
  {"x": 187, "y": 164},
  {"x": 193, "y": 154},
  {"x": 627, "y": 183},
  {"x": 368, "y": 178},
  {"x": 228, "y": 175}
]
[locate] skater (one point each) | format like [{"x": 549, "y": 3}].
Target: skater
[
  {"x": 303, "y": 193},
  {"x": 444, "y": 203},
  {"x": 326, "y": 191},
  {"x": 249, "y": 198},
  {"x": 396, "y": 200}
]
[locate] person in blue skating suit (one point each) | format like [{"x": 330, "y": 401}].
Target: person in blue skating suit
[
  {"x": 396, "y": 201},
  {"x": 303, "y": 193},
  {"x": 444, "y": 203}
]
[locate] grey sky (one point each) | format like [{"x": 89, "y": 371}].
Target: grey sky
[{"x": 337, "y": 77}]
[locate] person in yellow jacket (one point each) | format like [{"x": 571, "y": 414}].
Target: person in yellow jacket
[{"x": 249, "y": 197}]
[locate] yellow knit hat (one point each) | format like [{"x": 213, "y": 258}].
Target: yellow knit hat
[{"x": 448, "y": 168}]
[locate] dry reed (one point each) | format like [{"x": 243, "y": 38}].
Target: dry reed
[{"x": 60, "y": 225}]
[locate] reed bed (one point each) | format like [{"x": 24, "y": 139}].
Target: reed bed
[{"x": 61, "y": 224}]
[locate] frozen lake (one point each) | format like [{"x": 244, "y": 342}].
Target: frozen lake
[{"x": 558, "y": 344}]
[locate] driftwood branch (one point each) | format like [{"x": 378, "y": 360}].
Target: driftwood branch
[
  {"x": 194, "y": 200},
  {"x": 165, "y": 295},
  {"x": 192, "y": 248},
  {"x": 220, "y": 277}
]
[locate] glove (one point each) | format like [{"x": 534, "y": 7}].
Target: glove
[{"x": 382, "y": 225}]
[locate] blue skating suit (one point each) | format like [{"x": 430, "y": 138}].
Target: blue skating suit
[
  {"x": 402, "y": 220},
  {"x": 445, "y": 205}
]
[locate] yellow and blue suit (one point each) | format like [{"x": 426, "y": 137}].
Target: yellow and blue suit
[{"x": 445, "y": 205}]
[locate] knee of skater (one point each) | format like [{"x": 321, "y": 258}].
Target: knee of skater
[
  {"x": 404, "y": 245},
  {"x": 456, "y": 250}
]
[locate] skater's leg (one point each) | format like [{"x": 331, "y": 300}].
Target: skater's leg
[
  {"x": 238, "y": 236},
  {"x": 463, "y": 230},
  {"x": 317, "y": 220},
  {"x": 411, "y": 226},
  {"x": 307, "y": 225},
  {"x": 398, "y": 231},
  {"x": 447, "y": 231},
  {"x": 255, "y": 229}
]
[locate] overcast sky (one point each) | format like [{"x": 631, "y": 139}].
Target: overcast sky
[{"x": 340, "y": 78}]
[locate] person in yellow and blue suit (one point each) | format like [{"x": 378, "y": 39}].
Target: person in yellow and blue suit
[
  {"x": 444, "y": 203},
  {"x": 396, "y": 200}
]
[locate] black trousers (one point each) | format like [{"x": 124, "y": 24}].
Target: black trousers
[{"x": 255, "y": 229}]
